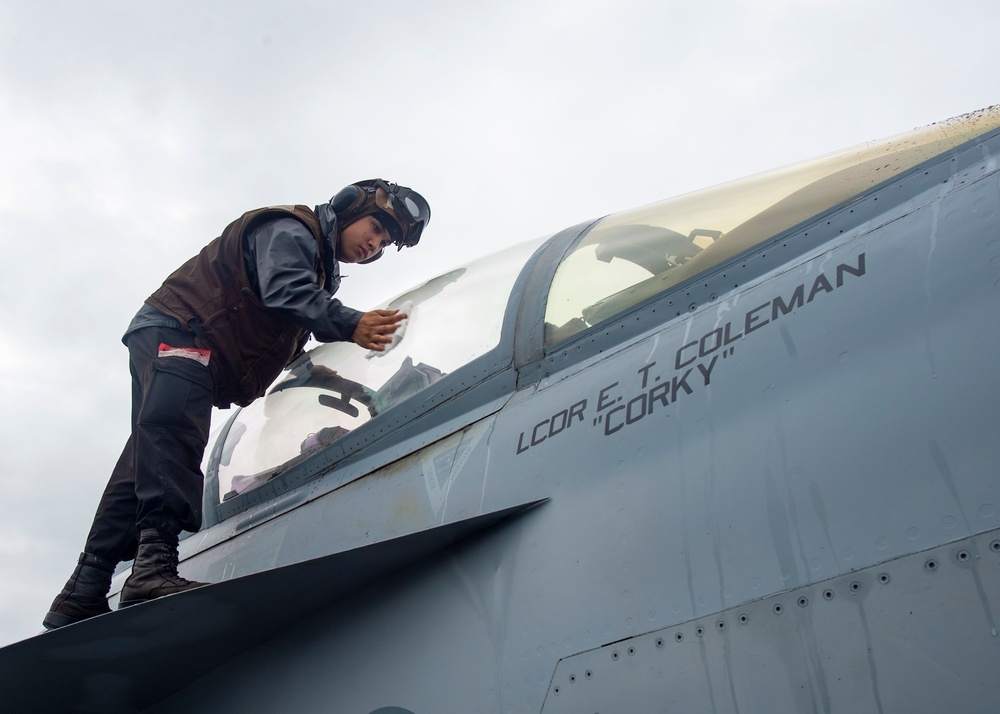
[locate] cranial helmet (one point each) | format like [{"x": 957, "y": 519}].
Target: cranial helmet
[{"x": 401, "y": 210}]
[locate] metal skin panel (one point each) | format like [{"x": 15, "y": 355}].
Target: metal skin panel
[{"x": 866, "y": 642}]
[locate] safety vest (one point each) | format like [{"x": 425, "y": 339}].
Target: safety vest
[{"x": 212, "y": 295}]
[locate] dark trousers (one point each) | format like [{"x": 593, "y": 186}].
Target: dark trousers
[{"x": 157, "y": 482}]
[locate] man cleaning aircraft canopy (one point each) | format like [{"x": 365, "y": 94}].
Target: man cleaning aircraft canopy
[{"x": 218, "y": 331}]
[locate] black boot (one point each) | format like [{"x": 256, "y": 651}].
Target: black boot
[
  {"x": 154, "y": 573},
  {"x": 85, "y": 594}
]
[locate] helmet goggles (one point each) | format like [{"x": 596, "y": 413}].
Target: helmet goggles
[{"x": 410, "y": 210}]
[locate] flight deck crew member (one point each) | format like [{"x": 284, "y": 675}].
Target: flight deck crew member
[{"x": 218, "y": 331}]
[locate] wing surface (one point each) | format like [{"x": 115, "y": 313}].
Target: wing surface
[{"x": 129, "y": 659}]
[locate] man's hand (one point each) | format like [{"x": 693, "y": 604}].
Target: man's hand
[{"x": 375, "y": 329}]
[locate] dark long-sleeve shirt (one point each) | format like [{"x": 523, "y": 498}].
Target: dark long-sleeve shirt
[{"x": 282, "y": 262}]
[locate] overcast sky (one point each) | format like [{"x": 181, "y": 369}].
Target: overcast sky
[{"x": 133, "y": 131}]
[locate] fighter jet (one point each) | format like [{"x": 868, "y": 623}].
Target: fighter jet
[{"x": 736, "y": 451}]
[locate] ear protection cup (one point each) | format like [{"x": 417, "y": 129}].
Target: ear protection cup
[{"x": 346, "y": 199}]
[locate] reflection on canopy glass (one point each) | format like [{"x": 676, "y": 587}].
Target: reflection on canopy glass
[
  {"x": 337, "y": 387},
  {"x": 634, "y": 255}
]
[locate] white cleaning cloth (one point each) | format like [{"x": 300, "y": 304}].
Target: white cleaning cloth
[{"x": 397, "y": 336}]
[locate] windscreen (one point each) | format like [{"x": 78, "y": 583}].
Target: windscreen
[{"x": 336, "y": 387}]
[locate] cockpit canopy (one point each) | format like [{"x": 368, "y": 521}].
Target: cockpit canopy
[
  {"x": 616, "y": 264},
  {"x": 337, "y": 387}
]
